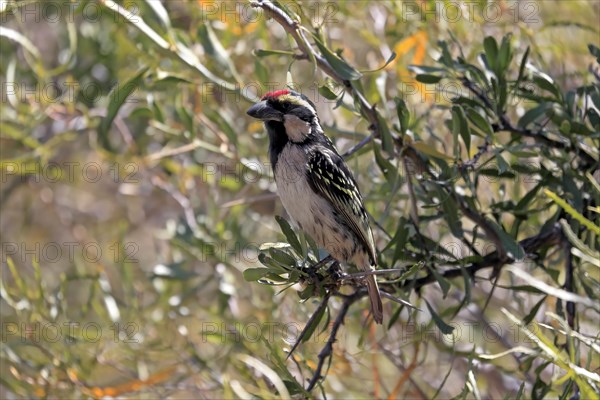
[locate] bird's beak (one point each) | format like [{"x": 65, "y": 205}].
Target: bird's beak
[{"x": 263, "y": 111}]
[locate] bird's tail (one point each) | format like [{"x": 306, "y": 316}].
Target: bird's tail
[{"x": 375, "y": 297}]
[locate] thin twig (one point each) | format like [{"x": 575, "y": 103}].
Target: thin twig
[
  {"x": 169, "y": 152},
  {"x": 399, "y": 300},
  {"x": 414, "y": 214},
  {"x": 357, "y": 146},
  {"x": 327, "y": 350},
  {"x": 295, "y": 30},
  {"x": 530, "y": 245},
  {"x": 396, "y": 360},
  {"x": 183, "y": 201},
  {"x": 483, "y": 223},
  {"x": 568, "y": 286},
  {"x": 373, "y": 272},
  {"x": 481, "y": 151},
  {"x": 184, "y": 54},
  {"x": 506, "y": 125},
  {"x": 250, "y": 200},
  {"x": 317, "y": 312}
]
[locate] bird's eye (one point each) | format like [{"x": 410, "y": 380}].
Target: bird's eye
[{"x": 302, "y": 113}]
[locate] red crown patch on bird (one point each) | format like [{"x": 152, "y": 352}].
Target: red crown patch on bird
[{"x": 275, "y": 94}]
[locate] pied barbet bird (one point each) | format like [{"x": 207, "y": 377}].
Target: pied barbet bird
[{"x": 315, "y": 185}]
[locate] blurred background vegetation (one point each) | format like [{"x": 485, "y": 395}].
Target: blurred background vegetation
[{"x": 136, "y": 192}]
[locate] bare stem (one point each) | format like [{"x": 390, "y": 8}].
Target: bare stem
[{"x": 327, "y": 350}]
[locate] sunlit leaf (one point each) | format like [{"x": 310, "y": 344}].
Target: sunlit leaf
[
  {"x": 571, "y": 211},
  {"x": 289, "y": 233},
  {"x": 254, "y": 274},
  {"x": 341, "y": 67},
  {"x": 430, "y": 150},
  {"x": 491, "y": 51}
]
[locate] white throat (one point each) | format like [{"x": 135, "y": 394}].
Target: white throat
[{"x": 296, "y": 128}]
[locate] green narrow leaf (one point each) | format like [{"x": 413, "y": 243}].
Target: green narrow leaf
[
  {"x": 524, "y": 202},
  {"x": 314, "y": 323},
  {"x": 465, "y": 131},
  {"x": 262, "y": 73},
  {"x": 341, "y": 67},
  {"x": 512, "y": 247},
  {"x": 595, "y": 51},
  {"x": 254, "y": 274},
  {"x": 391, "y": 58},
  {"x": 430, "y": 151},
  {"x": 465, "y": 101},
  {"x": 450, "y": 210},
  {"x": 576, "y": 242},
  {"x": 387, "y": 142},
  {"x": 522, "y": 67},
  {"x": 282, "y": 257},
  {"x": 313, "y": 246},
  {"x": 533, "y": 115},
  {"x": 185, "y": 116},
  {"x": 174, "y": 271},
  {"x": 439, "y": 322},
  {"x": 594, "y": 118},
  {"x": 271, "y": 276},
  {"x": 521, "y": 391},
  {"x": 546, "y": 83},
  {"x": 398, "y": 241},
  {"x": 289, "y": 234},
  {"x": 502, "y": 164},
  {"x": 388, "y": 169},
  {"x": 395, "y": 316},
  {"x": 21, "y": 39},
  {"x": 502, "y": 95},
  {"x": 504, "y": 56},
  {"x": 522, "y": 288},
  {"x": 213, "y": 47},
  {"x": 272, "y": 265},
  {"x": 326, "y": 92},
  {"x": 266, "y": 53},
  {"x": 117, "y": 97},
  {"x": 573, "y": 212},
  {"x": 403, "y": 114},
  {"x": 282, "y": 369},
  {"x": 460, "y": 126},
  {"x": 223, "y": 121},
  {"x": 529, "y": 317},
  {"x": 446, "y": 57},
  {"x": 411, "y": 272},
  {"x": 491, "y": 51},
  {"x": 467, "y": 282},
  {"x": 160, "y": 12},
  {"x": 428, "y": 78},
  {"x": 444, "y": 284},
  {"x": 480, "y": 122},
  {"x": 424, "y": 69},
  {"x": 454, "y": 126}
]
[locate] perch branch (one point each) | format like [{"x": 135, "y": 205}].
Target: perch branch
[
  {"x": 327, "y": 350},
  {"x": 306, "y": 50},
  {"x": 317, "y": 312},
  {"x": 530, "y": 245}
]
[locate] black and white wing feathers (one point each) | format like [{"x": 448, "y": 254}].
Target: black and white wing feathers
[{"x": 329, "y": 177}]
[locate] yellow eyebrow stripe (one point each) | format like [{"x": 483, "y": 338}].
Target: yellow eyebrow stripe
[{"x": 297, "y": 100}]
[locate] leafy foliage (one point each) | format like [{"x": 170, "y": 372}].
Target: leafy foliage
[{"x": 124, "y": 149}]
